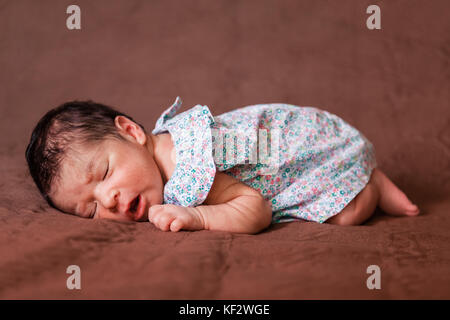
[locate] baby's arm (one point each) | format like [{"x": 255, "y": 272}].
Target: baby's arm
[
  {"x": 230, "y": 206},
  {"x": 235, "y": 207}
]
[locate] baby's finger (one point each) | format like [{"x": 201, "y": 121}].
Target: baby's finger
[
  {"x": 164, "y": 221},
  {"x": 156, "y": 217},
  {"x": 153, "y": 211},
  {"x": 176, "y": 225}
]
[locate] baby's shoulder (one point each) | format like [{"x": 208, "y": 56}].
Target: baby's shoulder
[{"x": 166, "y": 151}]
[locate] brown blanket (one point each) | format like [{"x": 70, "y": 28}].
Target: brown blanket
[{"x": 392, "y": 84}]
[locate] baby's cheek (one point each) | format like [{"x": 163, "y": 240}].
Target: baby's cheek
[{"x": 157, "y": 194}]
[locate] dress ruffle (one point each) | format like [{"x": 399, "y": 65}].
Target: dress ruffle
[{"x": 195, "y": 169}]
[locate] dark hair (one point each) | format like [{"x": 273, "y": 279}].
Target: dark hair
[{"x": 71, "y": 124}]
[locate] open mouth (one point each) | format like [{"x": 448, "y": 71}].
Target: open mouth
[{"x": 135, "y": 204}]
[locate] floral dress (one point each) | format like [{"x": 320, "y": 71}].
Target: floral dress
[{"x": 307, "y": 162}]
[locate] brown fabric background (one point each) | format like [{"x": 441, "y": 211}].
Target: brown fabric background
[{"x": 392, "y": 84}]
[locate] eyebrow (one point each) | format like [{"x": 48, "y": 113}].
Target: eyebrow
[
  {"x": 89, "y": 171},
  {"x": 88, "y": 178}
]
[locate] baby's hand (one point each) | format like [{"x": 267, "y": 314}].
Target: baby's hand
[{"x": 174, "y": 218}]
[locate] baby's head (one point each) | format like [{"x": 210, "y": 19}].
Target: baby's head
[{"x": 90, "y": 160}]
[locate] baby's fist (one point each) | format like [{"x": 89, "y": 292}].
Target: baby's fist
[{"x": 174, "y": 218}]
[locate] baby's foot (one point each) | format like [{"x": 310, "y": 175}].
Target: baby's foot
[{"x": 392, "y": 200}]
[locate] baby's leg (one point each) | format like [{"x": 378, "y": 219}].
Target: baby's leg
[
  {"x": 360, "y": 208},
  {"x": 392, "y": 200},
  {"x": 379, "y": 191}
]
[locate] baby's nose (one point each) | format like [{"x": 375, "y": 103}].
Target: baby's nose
[{"x": 114, "y": 204}]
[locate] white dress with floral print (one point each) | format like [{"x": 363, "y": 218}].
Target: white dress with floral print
[{"x": 307, "y": 162}]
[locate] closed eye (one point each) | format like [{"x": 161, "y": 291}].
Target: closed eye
[
  {"x": 96, "y": 205},
  {"x": 107, "y": 169}
]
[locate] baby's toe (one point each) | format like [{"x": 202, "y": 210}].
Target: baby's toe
[{"x": 412, "y": 210}]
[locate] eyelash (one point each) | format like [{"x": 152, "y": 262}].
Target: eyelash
[
  {"x": 107, "y": 169},
  {"x": 95, "y": 210}
]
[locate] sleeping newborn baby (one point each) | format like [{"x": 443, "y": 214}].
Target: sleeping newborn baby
[{"x": 238, "y": 172}]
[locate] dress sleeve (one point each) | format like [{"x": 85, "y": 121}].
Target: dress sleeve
[
  {"x": 166, "y": 116},
  {"x": 195, "y": 169}
]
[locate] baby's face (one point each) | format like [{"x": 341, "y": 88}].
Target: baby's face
[{"x": 124, "y": 181}]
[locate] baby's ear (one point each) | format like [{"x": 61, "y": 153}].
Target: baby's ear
[{"x": 130, "y": 130}]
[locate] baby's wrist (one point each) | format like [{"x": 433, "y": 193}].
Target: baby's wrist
[{"x": 198, "y": 217}]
